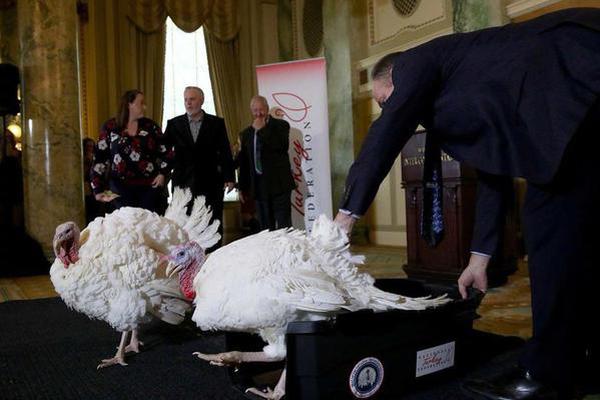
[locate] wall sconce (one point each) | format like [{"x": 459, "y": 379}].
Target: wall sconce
[
  {"x": 14, "y": 127},
  {"x": 15, "y": 130}
]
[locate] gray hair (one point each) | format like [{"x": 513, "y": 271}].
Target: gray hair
[
  {"x": 262, "y": 99},
  {"x": 196, "y": 88}
]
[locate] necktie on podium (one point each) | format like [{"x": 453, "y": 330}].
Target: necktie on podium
[{"x": 432, "y": 217}]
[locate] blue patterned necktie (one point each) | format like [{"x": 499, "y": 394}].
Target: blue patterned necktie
[{"x": 432, "y": 217}]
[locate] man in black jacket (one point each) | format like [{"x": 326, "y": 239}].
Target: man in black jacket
[
  {"x": 518, "y": 100},
  {"x": 265, "y": 171},
  {"x": 203, "y": 159}
]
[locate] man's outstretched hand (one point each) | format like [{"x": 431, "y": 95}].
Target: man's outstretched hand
[
  {"x": 345, "y": 221},
  {"x": 474, "y": 275}
]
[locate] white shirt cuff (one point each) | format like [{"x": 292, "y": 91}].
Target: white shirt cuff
[{"x": 349, "y": 213}]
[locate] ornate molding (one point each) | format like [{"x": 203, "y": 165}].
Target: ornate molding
[
  {"x": 367, "y": 63},
  {"x": 408, "y": 28},
  {"x": 521, "y": 7}
]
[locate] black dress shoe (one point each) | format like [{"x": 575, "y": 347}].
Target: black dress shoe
[{"x": 515, "y": 384}]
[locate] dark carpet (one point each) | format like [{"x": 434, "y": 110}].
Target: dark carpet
[{"x": 50, "y": 352}]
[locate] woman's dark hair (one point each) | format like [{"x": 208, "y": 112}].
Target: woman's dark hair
[
  {"x": 87, "y": 140},
  {"x": 383, "y": 67},
  {"x": 123, "y": 114}
]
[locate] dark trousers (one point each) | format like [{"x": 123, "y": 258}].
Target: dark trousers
[
  {"x": 560, "y": 221},
  {"x": 215, "y": 202},
  {"x": 140, "y": 196},
  {"x": 274, "y": 211}
]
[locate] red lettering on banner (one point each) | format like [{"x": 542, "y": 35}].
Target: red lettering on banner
[
  {"x": 300, "y": 154},
  {"x": 292, "y": 106}
]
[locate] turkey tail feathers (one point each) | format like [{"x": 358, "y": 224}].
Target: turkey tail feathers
[
  {"x": 177, "y": 210},
  {"x": 341, "y": 264},
  {"x": 197, "y": 224}
]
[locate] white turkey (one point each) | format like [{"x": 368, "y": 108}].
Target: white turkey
[
  {"x": 113, "y": 271},
  {"x": 263, "y": 282}
]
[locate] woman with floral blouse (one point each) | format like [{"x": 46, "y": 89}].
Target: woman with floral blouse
[{"x": 131, "y": 157}]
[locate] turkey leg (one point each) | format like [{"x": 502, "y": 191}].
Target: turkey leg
[
  {"x": 235, "y": 358},
  {"x": 119, "y": 358},
  {"x": 134, "y": 343}
]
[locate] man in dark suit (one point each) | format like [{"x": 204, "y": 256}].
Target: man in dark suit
[
  {"x": 518, "y": 100},
  {"x": 265, "y": 172},
  {"x": 203, "y": 159}
]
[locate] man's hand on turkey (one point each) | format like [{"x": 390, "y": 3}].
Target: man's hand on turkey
[{"x": 262, "y": 282}]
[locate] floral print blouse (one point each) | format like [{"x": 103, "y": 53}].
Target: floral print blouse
[{"x": 133, "y": 160}]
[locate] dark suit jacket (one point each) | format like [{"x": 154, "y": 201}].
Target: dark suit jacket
[
  {"x": 505, "y": 100},
  {"x": 277, "y": 176},
  {"x": 205, "y": 165}
]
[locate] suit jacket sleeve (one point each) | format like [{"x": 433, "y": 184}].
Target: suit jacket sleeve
[
  {"x": 494, "y": 198},
  {"x": 244, "y": 163},
  {"x": 282, "y": 129},
  {"x": 415, "y": 76},
  {"x": 225, "y": 158}
]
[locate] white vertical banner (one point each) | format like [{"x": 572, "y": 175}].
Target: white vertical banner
[{"x": 297, "y": 92}]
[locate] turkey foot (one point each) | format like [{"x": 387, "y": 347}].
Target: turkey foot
[
  {"x": 275, "y": 394},
  {"x": 235, "y": 358},
  {"x": 119, "y": 358},
  {"x": 134, "y": 343},
  {"x": 229, "y": 359}
]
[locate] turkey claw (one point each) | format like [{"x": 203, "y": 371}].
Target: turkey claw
[
  {"x": 112, "y": 361},
  {"x": 267, "y": 393},
  {"x": 229, "y": 359},
  {"x": 133, "y": 347}
]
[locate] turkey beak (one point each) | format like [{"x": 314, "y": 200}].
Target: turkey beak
[{"x": 172, "y": 269}]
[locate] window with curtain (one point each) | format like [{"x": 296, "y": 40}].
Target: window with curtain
[{"x": 186, "y": 64}]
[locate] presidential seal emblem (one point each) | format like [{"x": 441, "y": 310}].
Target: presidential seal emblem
[{"x": 366, "y": 377}]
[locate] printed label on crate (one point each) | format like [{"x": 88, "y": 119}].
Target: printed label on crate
[
  {"x": 366, "y": 377},
  {"x": 435, "y": 359}
]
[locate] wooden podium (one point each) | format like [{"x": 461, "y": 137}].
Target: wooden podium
[{"x": 446, "y": 261}]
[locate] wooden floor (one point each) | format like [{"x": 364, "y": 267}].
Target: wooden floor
[{"x": 504, "y": 310}]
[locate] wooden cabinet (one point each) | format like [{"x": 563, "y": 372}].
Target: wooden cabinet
[{"x": 446, "y": 261}]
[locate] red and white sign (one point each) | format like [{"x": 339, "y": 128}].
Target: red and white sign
[
  {"x": 435, "y": 359},
  {"x": 297, "y": 92}
]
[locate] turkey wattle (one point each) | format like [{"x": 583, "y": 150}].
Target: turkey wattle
[
  {"x": 112, "y": 270},
  {"x": 261, "y": 283}
]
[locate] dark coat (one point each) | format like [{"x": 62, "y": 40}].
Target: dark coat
[
  {"x": 277, "y": 176},
  {"x": 205, "y": 165},
  {"x": 505, "y": 100}
]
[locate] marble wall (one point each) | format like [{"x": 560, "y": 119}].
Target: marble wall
[
  {"x": 52, "y": 166},
  {"x": 470, "y": 15},
  {"x": 337, "y": 44},
  {"x": 9, "y": 37}
]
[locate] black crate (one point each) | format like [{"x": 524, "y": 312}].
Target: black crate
[{"x": 365, "y": 354}]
